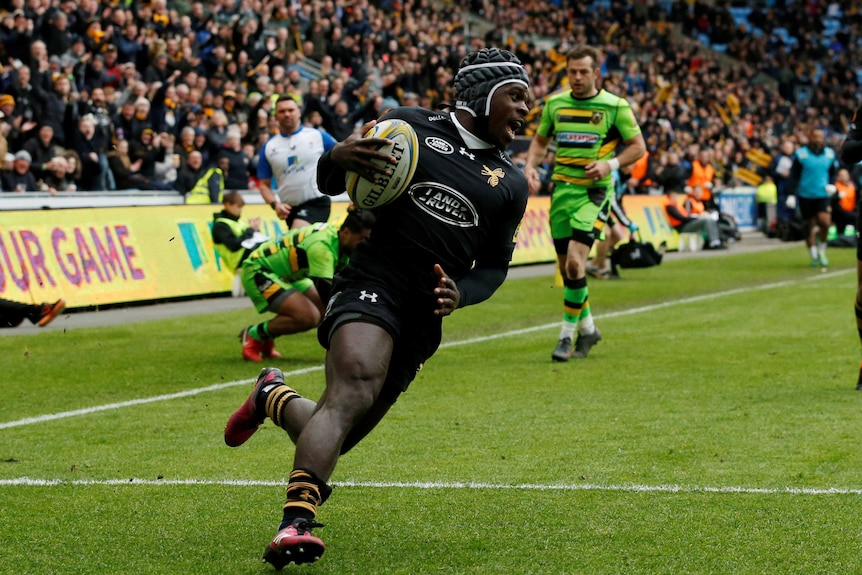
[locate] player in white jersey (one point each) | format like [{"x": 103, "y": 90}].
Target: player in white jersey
[{"x": 287, "y": 169}]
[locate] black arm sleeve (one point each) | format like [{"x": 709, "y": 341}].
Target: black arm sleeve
[
  {"x": 479, "y": 284},
  {"x": 330, "y": 176},
  {"x": 851, "y": 152}
]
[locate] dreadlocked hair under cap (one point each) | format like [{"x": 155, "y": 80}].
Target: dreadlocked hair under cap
[{"x": 479, "y": 76}]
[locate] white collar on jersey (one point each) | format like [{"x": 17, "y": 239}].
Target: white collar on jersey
[{"x": 469, "y": 138}]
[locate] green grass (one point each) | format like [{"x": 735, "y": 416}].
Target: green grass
[{"x": 701, "y": 436}]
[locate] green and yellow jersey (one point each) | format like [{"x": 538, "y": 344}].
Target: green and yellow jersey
[
  {"x": 309, "y": 252},
  {"x": 585, "y": 131}
]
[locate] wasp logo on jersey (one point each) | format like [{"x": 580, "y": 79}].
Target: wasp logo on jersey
[
  {"x": 445, "y": 204},
  {"x": 494, "y": 175},
  {"x": 439, "y": 145}
]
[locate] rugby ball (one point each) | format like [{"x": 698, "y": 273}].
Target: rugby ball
[{"x": 385, "y": 189}]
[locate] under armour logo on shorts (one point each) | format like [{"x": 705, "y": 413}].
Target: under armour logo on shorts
[{"x": 370, "y": 296}]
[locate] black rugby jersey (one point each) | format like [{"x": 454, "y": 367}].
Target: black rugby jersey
[{"x": 462, "y": 207}]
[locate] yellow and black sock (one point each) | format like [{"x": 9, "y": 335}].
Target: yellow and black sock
[
  {"x": 275, "y": 403},
  {"x": 305, "y": 493}
]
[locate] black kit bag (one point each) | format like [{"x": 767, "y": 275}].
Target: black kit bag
[{"x": 637, "y": 254}]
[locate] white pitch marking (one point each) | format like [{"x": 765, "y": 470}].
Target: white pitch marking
[
  {"x": 627, "y": 488},
  {"x": 220, "y": 386}
]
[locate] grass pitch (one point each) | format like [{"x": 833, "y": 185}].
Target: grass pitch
[{"x": 715, "y": 429}]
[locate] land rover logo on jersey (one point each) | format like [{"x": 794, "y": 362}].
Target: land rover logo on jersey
[
  {"x": 439, "y": 145},
  {"x": 577, "y": 138},
  {"x": 596, "y": 117},
  {"x": 444, "y": 204}
]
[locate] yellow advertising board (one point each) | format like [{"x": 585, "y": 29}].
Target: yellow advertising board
[
  {"x": 111, "y": 255},
  {"x": 100, "y": 256}
]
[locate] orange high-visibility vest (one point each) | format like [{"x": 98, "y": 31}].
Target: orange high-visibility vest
[
  {"x": 846, "y": 196},
  {"x": 700, "y": 176}
]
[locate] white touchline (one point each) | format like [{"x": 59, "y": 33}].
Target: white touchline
[
  {"x": 628, "y": 488},
  {"x": 220, "y": 386}
]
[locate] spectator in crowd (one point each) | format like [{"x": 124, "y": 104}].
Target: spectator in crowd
[
  {"x": 210, "y": 186},
  {"x": 56, "y": 107},
  {"x": 25, "y": 107},
  {"x": 687, "y": 214},
  {"x": 671, "y": 175},
  {"x": 188, "y": 175},
  {"x": 20, "y": 178},
  {"x": 812, "y": 174},
  {"x": 185, "y": 144},
  {"x": 166, "y": 169},
  {"x": 237, "y": 159},
  {"x": 42, "y": 151},
  {"x": 149, "y": 149},
  {"x": 202, "y": 144},
  {"x": 73, "y": 167},
  {"x": 126, "y": 171},
  {"x": 703, "y": 175},
  {"x": 59, "y": 178},
  {"x": 86, "y": 146}
]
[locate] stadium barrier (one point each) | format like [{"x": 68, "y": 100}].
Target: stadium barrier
[{"x": 140, "y": 247}]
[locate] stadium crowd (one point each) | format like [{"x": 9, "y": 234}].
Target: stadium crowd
[{"x": 149, "y": 95}]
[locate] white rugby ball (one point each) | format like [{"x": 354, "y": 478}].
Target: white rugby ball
[{"x": 384, "y": 189}]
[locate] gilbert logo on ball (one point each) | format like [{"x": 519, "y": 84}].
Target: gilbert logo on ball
[{"x": 385, "y": 189}]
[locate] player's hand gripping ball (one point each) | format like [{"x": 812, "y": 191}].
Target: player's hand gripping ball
[{"x": 384, "y": 189}]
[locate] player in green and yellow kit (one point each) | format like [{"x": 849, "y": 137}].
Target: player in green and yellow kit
[
  {"x": 292, "y": 277},
  {"x": 586, "y": 125}
]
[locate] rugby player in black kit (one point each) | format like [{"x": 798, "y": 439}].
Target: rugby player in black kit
[
  {"x": 851, "y": 154},
  {"x": 445, "y": 243}
]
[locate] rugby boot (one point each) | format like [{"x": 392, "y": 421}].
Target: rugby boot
[
  {"x": 251, "y": 347},
  {"x": 294, "y": 544},
  {"x": 50, "y": 311},
  {"x": 251, "y": 414},
  {"x": 585, "y": 342},
  {"x": 268, "y": 350},
  {"x": 563, "y": 351}
]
